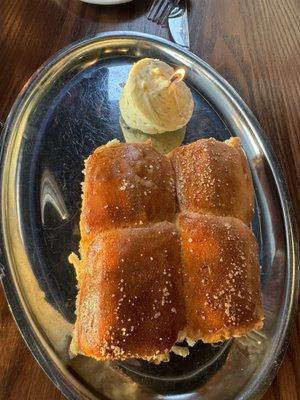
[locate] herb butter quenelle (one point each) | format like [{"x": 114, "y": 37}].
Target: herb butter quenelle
[{"x": 155, "y": 104}]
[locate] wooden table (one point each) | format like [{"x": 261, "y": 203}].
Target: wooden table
[{"x": 254, "y": 44}]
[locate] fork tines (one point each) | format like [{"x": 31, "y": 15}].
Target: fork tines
[{"x": 161, "y": 9}]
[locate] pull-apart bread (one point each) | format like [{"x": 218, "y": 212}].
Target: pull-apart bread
[
  {"x": 130, "y": 303},
  {"x": 165, "y": 250},
  {"x": 214, "y": 178},
  {"x": 221, "y": 277},
  {"x": 126, "y": 185}
]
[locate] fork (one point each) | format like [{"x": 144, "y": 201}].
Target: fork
[{"x": 160, "y": 10}]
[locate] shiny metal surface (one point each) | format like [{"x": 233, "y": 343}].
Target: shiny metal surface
[
  {"x": 178, "y": 24},
  {"x": 67, "y": 109},
  {"x": 160, "y": 10}
]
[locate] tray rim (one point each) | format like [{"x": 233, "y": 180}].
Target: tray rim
[{"x": 257, "y": 386}]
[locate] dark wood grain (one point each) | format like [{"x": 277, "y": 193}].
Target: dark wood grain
[{"x": 254, "y": 44}]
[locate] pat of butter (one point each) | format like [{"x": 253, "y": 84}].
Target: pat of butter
[{"x": 151, "y": 103}]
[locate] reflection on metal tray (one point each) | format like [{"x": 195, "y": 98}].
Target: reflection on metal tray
[{"x": 69, "y": 108}]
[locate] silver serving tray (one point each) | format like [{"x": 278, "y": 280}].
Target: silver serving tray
[{"x": 68, "y": 108}]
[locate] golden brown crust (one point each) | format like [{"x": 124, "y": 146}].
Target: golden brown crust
[
  {"x": 130, "y": 265},
  {"x": 131, "y": 300},
  {"x": 214, "y": 178},
  {"x": 126, "y": 185},
  {"x": 221, "y": 277}
]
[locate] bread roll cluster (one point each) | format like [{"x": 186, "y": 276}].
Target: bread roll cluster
[{"x": 166, "y": 250}]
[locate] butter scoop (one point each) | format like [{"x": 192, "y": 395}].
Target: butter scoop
[{"x": 151, "y": 102}]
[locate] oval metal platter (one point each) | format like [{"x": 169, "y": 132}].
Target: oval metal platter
[{"x": 70, "y": 107}]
